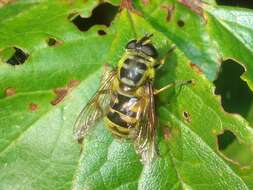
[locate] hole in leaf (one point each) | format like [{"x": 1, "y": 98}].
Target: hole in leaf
[
  {"x": 225, "y": 139},
  {"x": 238, "y": 3},
  {"x": 103, "y": 14},
  {"x": 53, "y": 42},
  {"x": 180, "y": 23},
  {"x": 13, "y": 56},
  {"x": 101, "y": 32},
  {"x": 230, "y": 147},
  {"x": 236, "y": 97},
  {"x": 18, "y": 57},
  {"x": 187, "y": 116}
]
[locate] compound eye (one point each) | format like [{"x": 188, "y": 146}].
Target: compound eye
[
  {"x": 149, "y": 50},
  {"x": 131, "y": 44}
]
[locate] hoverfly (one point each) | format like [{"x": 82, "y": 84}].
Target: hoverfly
[{"x": 126, "y": 99}]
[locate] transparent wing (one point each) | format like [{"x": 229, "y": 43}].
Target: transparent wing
[
  {"x": 96, "y": 108},
  {"x": 145, "y": 138}
]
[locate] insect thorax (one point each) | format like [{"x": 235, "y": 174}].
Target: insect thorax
[{"x": 135, "y": 68}]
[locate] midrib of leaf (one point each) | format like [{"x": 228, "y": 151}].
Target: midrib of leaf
[
  {"x": 181, "y": 182},
  {"x": 25, "y": 94},
  {"x": 132, "y": 24},
  {"x": 59, "y": 134}
]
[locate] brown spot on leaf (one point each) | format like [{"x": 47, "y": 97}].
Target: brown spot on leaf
[
  {"x": 33, "y": 107},
  {"x": 145, "y": 2},
  {"x": 187, "y": 116},
  {"x": 73, "y": 83},
  {"x": 60, "y": 94},
  {"x": 128, "y": 4},
  {"x": 10, "y": 91},
  {"x": 63, "y": 91},
  {"x": 166, "y": 133},
  {"x": 196, "y": 68},
  {"x": 169, "y": 10},
  {"x": 4, "y": 2},
  {"x": 194, "y": 5}
]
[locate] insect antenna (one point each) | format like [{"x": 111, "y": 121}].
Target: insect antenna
[{"x": 145, "y": 39}]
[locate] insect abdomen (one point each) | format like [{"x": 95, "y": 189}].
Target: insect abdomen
[
  {"x": 122, "y": 115},
  {"x": 133, "y": 71}
]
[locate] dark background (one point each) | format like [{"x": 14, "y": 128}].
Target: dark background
[{"x": 239, "y": 3}]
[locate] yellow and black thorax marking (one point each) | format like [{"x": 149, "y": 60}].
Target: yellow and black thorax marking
[{"x": 135, "y": 68}]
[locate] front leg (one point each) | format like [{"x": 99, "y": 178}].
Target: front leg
[
  {"x": 178, "y": 83},
  {"x": 161, "y": 62}
]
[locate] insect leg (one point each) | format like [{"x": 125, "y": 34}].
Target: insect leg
[
  {"x": 178, "y": 83},
  {"x": 162, "y": 61}
]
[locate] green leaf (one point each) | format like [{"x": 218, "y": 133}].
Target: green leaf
[
  {"x": 41, "y": 99},
  {"x": 233, "y": 26}
]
